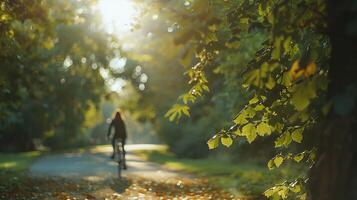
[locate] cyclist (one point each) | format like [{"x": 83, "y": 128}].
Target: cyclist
[{"x": 119, "y": 133}]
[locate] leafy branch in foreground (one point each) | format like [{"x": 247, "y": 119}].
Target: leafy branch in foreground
[{"x": 286, "y": 77}]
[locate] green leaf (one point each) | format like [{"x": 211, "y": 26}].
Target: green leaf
[
  {"x": 233, "y": 45},
  {"x": 312, "y": 156},
  {"x": 253, "y": 100},
  {"x": 270, "y": 18},
  {"x": 253, "y": 77},
  {"x": 213, "y": 142},
  {"x": 302, "y": 95},
  {"x": 278, "y": 160},
  {"x": 176, "y": 112},
  {"x": 283, "y": 192},
  {"x": 280, "y": 141},
  {"x": 250, "y": 112},
  {"x": 287, "y": 45},
  {"x": 188, "y": 97},
  {"x": 238, "y": 132},
  {"x": 270, "y": 83},
  {"x": 246, "y": 113},
  {"x": 296, "y": 135},
  {"x": 277, "y": 48},
  {"x": 283, "y": 140},
  {"x": 241, "y": 118},
  {"x": 187, "y": 57},
  {"x": 205, "y": 87},
  {"x": 296, "y": 188},
  {"x": 287, "y": 79},
  {"x": 211, "y": 37},
  {"x": 250, "y": 132},
  {"x": 226, "y": 141},
  {"x": 271, "y": 191},
  {"x": 251, "y": 137},
  {"x": 244, "y": 20},
  {"x": 288, "y": 139},
  {"x": 302, "y": 196},
  {"x": 271, "y": 164},
  {"x": 185, "y": 110},
  {"x": 300, "y": 100},
  {"x": 299, "y": 157},
  {"x": 278, "y": 127},
  {"x": 263, "y": 129},
  {"x": 259, "y": 107}
]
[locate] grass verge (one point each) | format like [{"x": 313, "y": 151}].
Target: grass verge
[
  {"x": 244, "y": 179},
  {"x": 17, "y": 162},
  {"x": 14, "y": 168}
]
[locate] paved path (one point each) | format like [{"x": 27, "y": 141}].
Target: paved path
[
  {"x": 96, "y": 164},
  {"x": 91, "y": 174}
]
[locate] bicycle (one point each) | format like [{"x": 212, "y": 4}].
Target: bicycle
[{"x": 120, "y": 155}]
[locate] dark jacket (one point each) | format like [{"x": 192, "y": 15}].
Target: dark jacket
[{"x": 119, "y": 128}]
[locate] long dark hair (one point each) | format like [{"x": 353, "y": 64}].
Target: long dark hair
[{"x": 118, "y": 118}]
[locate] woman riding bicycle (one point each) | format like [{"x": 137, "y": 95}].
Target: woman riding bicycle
[{"x": 119, "y": 134}]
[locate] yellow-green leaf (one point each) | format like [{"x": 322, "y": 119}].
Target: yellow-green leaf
[
  {"x": 250, "y": 112},
  {"x": 270, "y": 84},
  {"x": 238, "y": 132},
  {"x": 299, "y": 157},
  {"x": 271, "y": 164},
  {"x": 244, "y": 20},
  {"x": 271, "y": 191},
  {"x": 176, "y": 111},
  {"x": 303, "y": 94},
  {"x": 287, "y": 79},
  {"x": 250, "y": 132},
  {"x": 213, "y": 142},
  {"x": 277, "y": 48},
  {"x": 263, "y": 129},
  {"x": 259, "y": 107},
  {"x": 188, "y": 97},
  {"x": 253, "y": 100},
  {"x": 283, "y": 140},
  {"x": 303, "y": 196},
  {"x": 253, "y": 77},
  {"x": 251, "y": 137},
  {"x": 295, "y": 188},
  {"x": 283, "y": 192},
  {"x": 226, "y": 141},
  {"x": 185, "y": 111},
  {"x": 278, "y": 160},
  {"x": 296, "y": 135},
  {"x": 242, "y": 118}
]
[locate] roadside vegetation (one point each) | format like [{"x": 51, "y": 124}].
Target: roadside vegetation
[
  {"x": 18, "y": 162},
  {"x": 248, "y": 179}
]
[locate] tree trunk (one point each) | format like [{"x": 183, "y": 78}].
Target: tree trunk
[{"x": 334, "y": 175}]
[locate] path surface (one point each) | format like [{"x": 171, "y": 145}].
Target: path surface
[
  {"x": 91, "y": 174},
  {"x": 95, "y": 164}
]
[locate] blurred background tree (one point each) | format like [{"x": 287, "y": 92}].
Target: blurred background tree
[
  {"x": 271, "y": 73},
  {"x": 55, "y": 67}
]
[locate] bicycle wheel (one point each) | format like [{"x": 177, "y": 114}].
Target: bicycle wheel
[{"x": 119, "y": 158}]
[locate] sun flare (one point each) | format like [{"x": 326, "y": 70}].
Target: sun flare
[{"x": 117, "y": 15}]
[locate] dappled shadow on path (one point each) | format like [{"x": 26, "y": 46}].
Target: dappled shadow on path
[
  {"x": 95, "y": 164},
  {"x": 179, "y": 189},
  {"x": 61, "y": 188},
  {"x": 109, "y": 189},
  {"x": 90, "y": 174}
]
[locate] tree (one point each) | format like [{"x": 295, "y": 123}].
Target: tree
[
  {"x": 305, "y": 50},
  {"x": 159, "y": 51},
  {"x": 333, "y": 176},
  {"x": 53, "y": 55}
]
